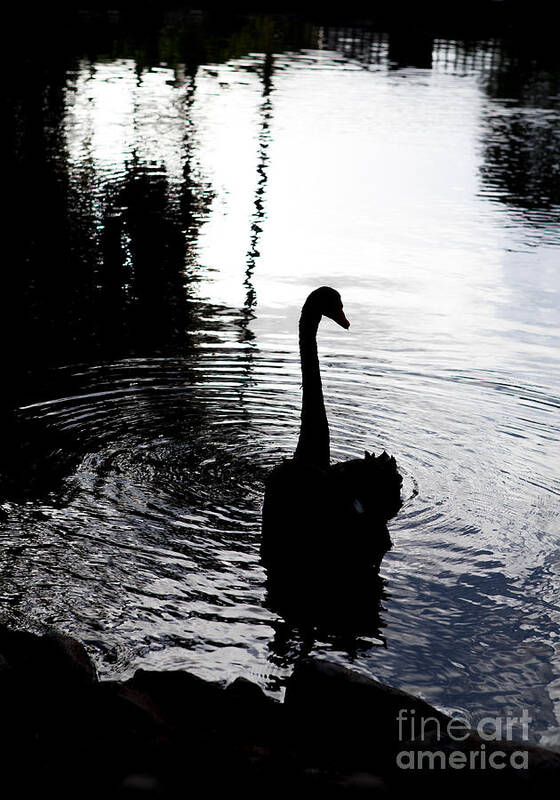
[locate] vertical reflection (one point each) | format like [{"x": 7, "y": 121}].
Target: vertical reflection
[
  {"x": 194, "y": 195},
  {"x": 258, "y": 215},
  {"x": 130, "y": 134},
  {"x": 247, "y": 313},
  {"x": 521, "y": 135},
  {"x": 43, "y": 282},
  {"x": 345, "y": 610},
  {"x": 157, "y": 250}
]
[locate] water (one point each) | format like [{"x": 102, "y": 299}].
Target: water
[{"x": 176, "y": 217}]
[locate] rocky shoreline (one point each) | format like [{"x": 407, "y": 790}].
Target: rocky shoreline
[{"x": 174, "y": 735}]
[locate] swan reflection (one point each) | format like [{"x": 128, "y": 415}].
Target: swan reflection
[{"x": 342, "y": 610}]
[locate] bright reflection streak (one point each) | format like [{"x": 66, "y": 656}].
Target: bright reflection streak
[
  {"x": 226, "y": 114},
  {"x": 114, "y": 115},
  {"x": 383, "y": 199}
]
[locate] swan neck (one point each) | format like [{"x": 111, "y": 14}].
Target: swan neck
[{"x": 313, "y": 445}]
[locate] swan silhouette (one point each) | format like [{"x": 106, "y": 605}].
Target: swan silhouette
[{"x": 318, "y": 515}]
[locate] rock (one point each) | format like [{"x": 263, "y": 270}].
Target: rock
[
  {"x": 169, "y": 734},
  {"x": 349, "y": 721},
  {"x": 44, "y": 681},
  {"x": 501, "y": 766},
  {"x": 182, "y": 698},
  {"x": 358, "y": 784},
  {"x": 253, "y": 714},
  {"x": 341, "y": 713},
  {"x": 244, "y": 691},
  {"x": 140, "y": 785},
  {"x": 70, "y": 662},
  {"x": 54, "y": 659},
  {"x": 332, "y": 784}
]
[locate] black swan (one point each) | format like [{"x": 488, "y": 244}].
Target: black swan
[{"x": 317, "y": 515}]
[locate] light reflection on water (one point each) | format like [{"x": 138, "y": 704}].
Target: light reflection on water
[{"x": 316, "y": 166}]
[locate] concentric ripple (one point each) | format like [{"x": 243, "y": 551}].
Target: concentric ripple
[{"x": 149, "y": 547}]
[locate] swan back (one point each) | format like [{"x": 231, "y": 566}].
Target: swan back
[{"x": 372, "y": 484}]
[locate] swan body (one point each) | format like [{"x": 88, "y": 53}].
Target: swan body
[{"x": 318, "y": 515}]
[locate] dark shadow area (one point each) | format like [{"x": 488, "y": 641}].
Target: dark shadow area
[{"x": 34, "y": 457}]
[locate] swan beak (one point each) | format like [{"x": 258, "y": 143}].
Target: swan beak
[{"x": 341, "y": 320}]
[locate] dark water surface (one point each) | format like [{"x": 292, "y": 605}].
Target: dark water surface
[{"x": 179, "y": 202}]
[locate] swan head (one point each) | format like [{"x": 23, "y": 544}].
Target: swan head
[{"x": 327, "y": 302}]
